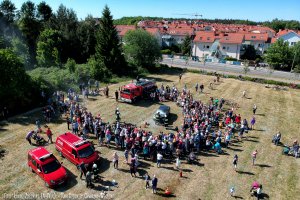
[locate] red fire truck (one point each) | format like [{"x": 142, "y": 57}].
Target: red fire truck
[{"x": 137, "y": 90}]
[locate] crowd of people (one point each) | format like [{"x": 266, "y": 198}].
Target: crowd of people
[{"x": 207, "y": 127}]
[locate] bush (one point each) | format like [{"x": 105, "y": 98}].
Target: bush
[
  {"x": 230, "y": 59},
  {"x": 166, "y": 51}
]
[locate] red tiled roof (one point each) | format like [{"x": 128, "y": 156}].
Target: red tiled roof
[
  {"x": 123, "y": 29},
  {"x": 204, "y": 36},
  {"x": 180, "y": 31},
  {"x": 256, "y": 36},
  {"x": 232, "y": 38},
  {"x": 273, "y": 40},
  {"x": 152, "y": 31}
]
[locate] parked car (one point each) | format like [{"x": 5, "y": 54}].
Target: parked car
[
  {"x": 76, "y": 150},
  {"x": 161, "y": 115},
  {"x": 45, "y": 164}
]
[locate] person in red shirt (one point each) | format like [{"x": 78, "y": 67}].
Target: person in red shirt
[
  {"x": 238, "y": 119},
  {"x": 49, "y": 134}
]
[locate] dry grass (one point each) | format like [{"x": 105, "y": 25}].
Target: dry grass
[{"x": 279, "y": 174}]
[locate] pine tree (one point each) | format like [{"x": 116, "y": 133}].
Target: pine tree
[{"x": 108, "y": 47}]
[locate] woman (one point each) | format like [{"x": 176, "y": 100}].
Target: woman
[{"x": 254, "y": 154}]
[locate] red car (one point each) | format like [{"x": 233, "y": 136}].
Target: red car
[
  {"x": 76, "y": 149},
  {"x": 45, "y": 164}
]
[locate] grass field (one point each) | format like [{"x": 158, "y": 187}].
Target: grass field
[{"x": 279, "y": 174}]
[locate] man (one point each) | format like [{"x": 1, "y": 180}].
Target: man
[
  {"x": 235, "y": 161},
  {"x": 88, "y": 179},
  {"x": 117, "y": 95},
  {"x": 154, "y": 184},
  {"x": 147, "y": 179},
  {"x": 82, "y": 169},
  {"x": 117, "y": 113},
  {"x": 49, "y": 134},
  {"x": 254, "y": 109},
  {"x": 201, "y": 88},
  {"x": 107, "y": 91},
  {"x": 180, "y": 76},
  {"x": 29, "y": 135},
  {"x": 196, "y": 87}
]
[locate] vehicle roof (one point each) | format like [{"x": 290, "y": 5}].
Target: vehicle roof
[
  {"x": 73, "y": 140},
  {"x": 130, "y": 86},
  {"x": 39, "y": 152},
  {"x": 163, "y": 108}
]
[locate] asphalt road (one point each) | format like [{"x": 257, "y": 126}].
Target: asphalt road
[{"x": 259, "y": 72}]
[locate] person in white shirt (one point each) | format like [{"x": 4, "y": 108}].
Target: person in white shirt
[{"x": 159, "y": 159}]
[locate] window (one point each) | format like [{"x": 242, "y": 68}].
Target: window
[
  {"x": 34, "y": 162},
  {"x": 253, "y": 36},
  {"x": 74, "y": 153},
  {"x": 207, "y": 47},
  {"x": 203, "y": 46},
  {"x": 293, "y": 43},
  {"x": 208, "y": 38},
  {"x": 200, "y": 38},
  {"x": 259, "y": 45},
  {"x": 224, "y": 47}
]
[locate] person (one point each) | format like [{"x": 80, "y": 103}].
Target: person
[
  {"x": 254, "y": 109},
  {"x": 82, "y": 169},
  {"x": 159, "y": 159},
  {"x": 296, "y": 148},
  {"x": 126, "y": 155},
  {"x": 88, "y": 179},
  {"x": 168, "y": 192},
  {"x": 117, "y": 95},
  {"x": 147, "y": 179},
  {"x": 235, "y": 161},
  {"x": 178, "y": 163},
  {"x": 107, "y": 91},
  {"x": 196, "y": 87},
  {"x": 201, "y": 88},
  {"x": 232, "y": 190},
  {"x": 29, "y": 135},
  {"x": 5, "y": 113},
  {"x": 132, "y": 169},
  {"x": 117, "y": 113},
  {"x": 254, "y": 155},
  {"x": 154, "y": 184},
  {"x": 49, "y": 134},
  {"x": 277, "y": 138},
  {"x": 180, "y": 76},
  {"x": 252, "y": 122},
  {"x": 244, "y": 94},
  {"x": 115, "y": 160},
  {"x": 259, "y": 192},
  {"x": 38, "y": 125}
]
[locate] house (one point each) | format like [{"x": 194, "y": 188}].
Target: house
[
  {"x": 290, "y": 36},
  {"x": 260, "y": 41},
  {"x": 230, "y": 45},
  {"x": 202, "y": 44},
  {"x": 156, "y": 33},
  {"x": 175, "y": 36},
  {"x": 123, "y": 29}
]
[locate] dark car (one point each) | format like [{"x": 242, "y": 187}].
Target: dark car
[{"x": 161, "y": 115}]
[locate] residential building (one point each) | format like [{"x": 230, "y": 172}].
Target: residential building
[{"x": 290, "y": 36}]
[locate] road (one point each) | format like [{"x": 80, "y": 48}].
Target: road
[{"x": 234, "y": 69}]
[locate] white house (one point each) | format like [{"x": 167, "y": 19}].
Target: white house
[
  {"x": 202, "y": 44},
  {"x": 258, "y": 40},
  {"x": 291, "y": 37},
  {"x": 231, "y": 43}
]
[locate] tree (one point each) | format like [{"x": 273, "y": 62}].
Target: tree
[
  {"x": 20, "y": 48},
  {"x": 65, "y": 20},
  {"x": 71, "y": 65},
  {"x": 250, "y": 53},
  {"x": 279, "y": 55},
  {"x": 108, "y": 47},
  {"x": 296, "y": 57},
  {"x": 186, "y": 46},
  {"x": 29, "y": 26},
  {"x": 141, "y": 48},
  {"x": 16, "y": 88},
  {"x": 8, "y": 10},
  {"x": 44, "y": 11},
  {"x": 86, "y": 34},
  {"x": 98, "y": 70},
  {"x": 47, "y": 48}
]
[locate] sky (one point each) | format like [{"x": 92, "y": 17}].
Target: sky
[{"x": 254, "y": 10}]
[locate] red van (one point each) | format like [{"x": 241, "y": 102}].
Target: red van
[
  {"x": 45, "y": 164},
  {"x": 76, "y": 149}
]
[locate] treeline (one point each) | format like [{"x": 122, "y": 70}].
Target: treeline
[
  {"x": 42, "y": 50},
  {"x": 275, "y": 24}
]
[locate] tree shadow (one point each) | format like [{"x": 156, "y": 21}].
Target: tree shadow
[
  {"x": 234, "y": 149},
  {"x": 71, "y": 182},
  {"x": 157, "y": 79},
  {"x": 237, "y": 197},
  {"x": 263, "y": 165},
  {"x": 247, "y": 173},
  {"x": 104, "y": 165}
]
